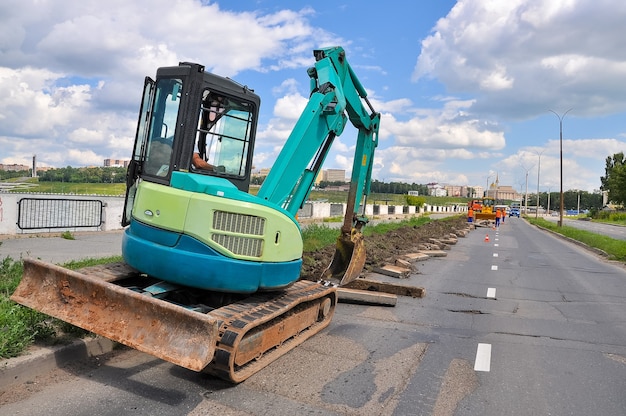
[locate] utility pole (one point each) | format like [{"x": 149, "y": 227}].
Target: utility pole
[
  {"x": 561, "y": 143},
  {"x": 538, "y": 171},
  {"x": 526, "y": 196}
]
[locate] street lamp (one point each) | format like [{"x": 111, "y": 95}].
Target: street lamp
[
  {"x": 526, "y": 196},
  {"x": 561, "y": 142},
  {"x": 549, "y": 201},
  {"x": 538, "y": 171},
  {"x": 487, "y": 188}
]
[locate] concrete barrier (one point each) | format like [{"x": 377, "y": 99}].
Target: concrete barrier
[{"x": 112, "y": 207}]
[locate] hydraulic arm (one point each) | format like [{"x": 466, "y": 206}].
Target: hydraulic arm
[{"x": 335, "y": 91}]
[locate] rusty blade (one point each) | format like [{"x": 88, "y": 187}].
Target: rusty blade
[
  {"x": 157, "y": 327},
  {"x": 348, "y": 260}
]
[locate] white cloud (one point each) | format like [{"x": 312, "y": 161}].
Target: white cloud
[
  {"x": 448, "y": 129},
  {"x": 523, "y": 56},
  {"x": 70, "y": 73}
]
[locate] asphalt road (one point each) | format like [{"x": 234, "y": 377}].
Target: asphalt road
[
  {"x": 613, "y": 231},
  {"x": 522, "y": 324}
]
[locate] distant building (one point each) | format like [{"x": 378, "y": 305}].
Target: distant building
[
  {"x": 478, "y": 191},
  {"x": 13, "y": 167},
  {"x": 116, "y": 163},
  {"x": 434, "y": 189},
  {"x": 505, "y": 192},
  {"x": 456, "y": 190},
  {"x": 334, "y": 175}
]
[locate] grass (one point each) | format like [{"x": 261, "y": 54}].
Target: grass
[
  {"x": 33, "y": 185},
  {"x": 75, "y": 188},
  {"x": 67, "y": 235},
  {"x": 611, "y": 217},
  {"x": 21, "y": 327},
  {"x": 317, "y": 236},
  {"x": 615, "y": 249}
]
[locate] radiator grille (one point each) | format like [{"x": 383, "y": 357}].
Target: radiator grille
[
  {"x": 238, "y": 223},
  {"x": 243, "y": 246}
]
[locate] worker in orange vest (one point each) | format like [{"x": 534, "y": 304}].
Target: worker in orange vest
[
  {"x": 498, "y": 217},
  {"x": 470, "y": 215}
]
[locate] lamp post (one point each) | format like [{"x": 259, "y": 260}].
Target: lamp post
[
  {"x": 548, "y": 201},
  {"x": 561, "y": 144},
  {"x": 487, "y": 188},
  {"x": 526, "y": 195},
  {"x": 538, "y": 172}
]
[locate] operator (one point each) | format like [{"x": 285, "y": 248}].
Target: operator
[{"x": 200, "y": 163}]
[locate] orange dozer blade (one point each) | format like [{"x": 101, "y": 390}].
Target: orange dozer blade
[
  {"x": 157, "y": 327},
  {"x": 348, "y": 260},
  {"x": 485, "y": 216}
]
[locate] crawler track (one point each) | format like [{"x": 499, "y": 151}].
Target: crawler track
[
  {"x": 257, "y": 330},
  {"x": 230, "y": 336}
]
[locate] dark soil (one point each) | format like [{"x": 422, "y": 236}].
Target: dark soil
[{"x": 383, "y": 248}]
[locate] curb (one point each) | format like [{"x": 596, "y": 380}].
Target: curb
[{"x": 42, "y": 360}]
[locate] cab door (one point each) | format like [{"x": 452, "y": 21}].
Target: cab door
[{"x": 134, "y": 168}]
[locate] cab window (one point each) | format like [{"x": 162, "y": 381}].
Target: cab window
[
  {"x": 223, "y": 134},
  {"x": 162, "y": 128}
]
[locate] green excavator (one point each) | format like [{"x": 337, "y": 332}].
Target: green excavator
[{"x": 211, "y": 274}]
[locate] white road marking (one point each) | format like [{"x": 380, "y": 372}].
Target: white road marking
[
  {"x": 496, "y": 245},
  {"x": 491, "y": 292},
  {"x": 483, "y": 358},
  {"x": 494, "y": 267},
  {"x": 495, "y": 254}
]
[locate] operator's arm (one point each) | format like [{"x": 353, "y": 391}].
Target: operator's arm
[{"x": 200, "y": 163}]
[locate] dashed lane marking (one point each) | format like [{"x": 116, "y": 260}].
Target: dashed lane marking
[
  {"x": 494, "y": 267},
  {"x": 491, "y": 292},
  {"x": 483, "y": 358}
]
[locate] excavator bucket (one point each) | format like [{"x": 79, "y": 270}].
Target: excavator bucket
[
  {"x": 348, "y": 260},
  {"x": 154, "y": 326}
]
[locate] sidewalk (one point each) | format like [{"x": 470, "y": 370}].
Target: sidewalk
[{"x": 55, "y": 249}]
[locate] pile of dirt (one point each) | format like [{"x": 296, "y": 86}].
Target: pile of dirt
[{"x": 383, "y": 248}]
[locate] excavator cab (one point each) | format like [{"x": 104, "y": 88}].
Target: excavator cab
[{"x": 187, "y": 200}]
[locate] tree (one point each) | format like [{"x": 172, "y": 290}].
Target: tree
[{"x": 614, "y": 183}]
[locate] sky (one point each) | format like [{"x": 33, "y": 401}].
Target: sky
[{"x": 468, "y": 90}]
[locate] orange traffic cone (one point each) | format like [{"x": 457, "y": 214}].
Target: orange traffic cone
[{"x": 487, "y": 238}]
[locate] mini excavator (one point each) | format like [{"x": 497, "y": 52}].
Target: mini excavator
[{"x": 211, "y": 274}]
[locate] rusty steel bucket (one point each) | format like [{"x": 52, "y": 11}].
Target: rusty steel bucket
[
  {"x": 349, "y": 258},
  {"x": 154, "y": 326}
]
